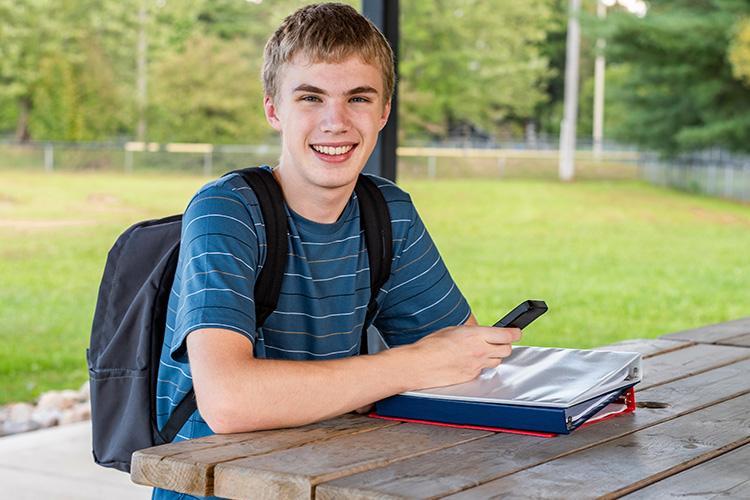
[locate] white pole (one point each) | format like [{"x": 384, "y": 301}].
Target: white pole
[
  {"x": 570, "y": 116},
  {"x": 128, "y": 161},
  {"x": 599, "y": 68},
  {"x": 431, "y": 167},
  {"x": 208, "y": 163},
  {"x": 49, "y": 157},
  {"x": 142, "y": 73}
]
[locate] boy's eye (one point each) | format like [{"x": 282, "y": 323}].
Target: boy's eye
[
  {"x": 360, "y": 99},
  {"x": 310, "y": 98}
]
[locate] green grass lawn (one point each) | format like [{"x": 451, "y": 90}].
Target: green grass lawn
[{"x": 613, "y": 260}]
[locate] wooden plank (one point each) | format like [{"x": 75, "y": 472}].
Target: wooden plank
[
  {"x": 713, "y": 333},
  {"x": 688, "y": 361},
  {"x": 633, "y": 461},
  {"x": 739, "y": 341},
  {"x": 647, "y": 347},
  {"x": 453, "y": 469},
  {"x": 726, "y": 476},
  {"x": 188, "y": 466},
  {"x": 739, "y": 491},
  {"x": 294, "y": 473}
]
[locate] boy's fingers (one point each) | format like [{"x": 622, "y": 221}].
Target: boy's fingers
[
  {"x": 504, "y": 336},
  {"x": 502, "y": 351}
]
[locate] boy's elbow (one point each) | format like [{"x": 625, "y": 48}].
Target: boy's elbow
[
  {"x": 224, "y": 417},
  {"x": 222, "y": 425}
]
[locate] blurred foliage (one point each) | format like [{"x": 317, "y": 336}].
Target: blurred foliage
[
  {"x": 683, "y": 87},
  {"x": 218, "y": 98},
  {"x": 676, "y": 80},
  {"x": 739, "y": 51},
  {"x": 471, "y": 62},
  {"x": 68, "y": 68}
]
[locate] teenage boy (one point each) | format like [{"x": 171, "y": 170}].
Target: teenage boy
[{"x": 328, "y": 78}]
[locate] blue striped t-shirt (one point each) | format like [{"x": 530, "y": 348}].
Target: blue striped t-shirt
[{"x": 325, "y": 289}]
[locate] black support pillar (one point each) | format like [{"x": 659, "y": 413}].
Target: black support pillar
[{"x": 384, "y": 15}]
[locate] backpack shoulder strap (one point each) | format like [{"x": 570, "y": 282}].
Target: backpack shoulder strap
[
  {"x": 268, "y": 283},
  {"x": 375, "y": 219},
  {"x": 271, "y": 200}
]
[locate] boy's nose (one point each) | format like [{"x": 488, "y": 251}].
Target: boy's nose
[{"x": 336, "y": 120}]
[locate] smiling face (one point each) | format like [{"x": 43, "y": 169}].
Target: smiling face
[{"x": 329, "y": 116}]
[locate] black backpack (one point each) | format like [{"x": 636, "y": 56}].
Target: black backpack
[{"x": 131, "y": 310}]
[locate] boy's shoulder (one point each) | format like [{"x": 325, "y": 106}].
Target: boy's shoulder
[
  {"x": 227, "y": 187},
  {"x": 233, "y": 188},
  {"x": 391, "y": 192},
  {"x": 231, "y": 182}
]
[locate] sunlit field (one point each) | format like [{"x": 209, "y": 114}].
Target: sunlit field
[{"x": 613, "y": 259}]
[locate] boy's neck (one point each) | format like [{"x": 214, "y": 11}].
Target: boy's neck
[{"x": 322, "y": 205}]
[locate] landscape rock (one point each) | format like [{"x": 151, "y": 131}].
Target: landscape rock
[
  {"x": 79, "y": 413},
  {"x": 46, "y": 417},
  {"x": 17, "y": 418},
  {"x": 20, "y": 412},
  {"x": 84, "y": 393},
  {"x": 58, "y": 400},
  {"x": 10, "y": 427},
  {"x": 52, "y": 408}
]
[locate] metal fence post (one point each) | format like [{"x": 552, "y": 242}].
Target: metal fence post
[
  {"x": 501, "y": 166},
  {"x": 711, "y": 179},
  {"x": 128, "y": 161},
  {"x": 431, "y": 167},
  {"x": 207, "y": 163},
  {"x": 49, "y": 157},
  {"x": 728, "y": 177}
]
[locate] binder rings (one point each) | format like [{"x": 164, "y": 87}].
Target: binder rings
[{"x": 538, "y": 390}]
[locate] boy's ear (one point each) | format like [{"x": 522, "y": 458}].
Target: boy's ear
[
  {"x": 386, "y": 113},
  {"x": 270, "y": 109}
]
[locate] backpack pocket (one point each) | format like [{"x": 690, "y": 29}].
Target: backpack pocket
[{"x": 117, "y": 398}]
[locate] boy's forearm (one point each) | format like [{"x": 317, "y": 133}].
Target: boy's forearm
[{"x": 272, "y": 394}]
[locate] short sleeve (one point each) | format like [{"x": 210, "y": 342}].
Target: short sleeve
[
  {"x": 420, "y": 296},
  {"x": 217, "y": 267}
]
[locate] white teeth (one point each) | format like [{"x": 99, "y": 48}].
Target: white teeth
[{"x": 328, "y": 150}]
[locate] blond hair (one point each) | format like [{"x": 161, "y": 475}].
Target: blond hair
[{"x": 327, "y": 32}]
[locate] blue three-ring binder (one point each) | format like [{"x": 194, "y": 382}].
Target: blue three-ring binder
[{"x": 536, "y": 389}]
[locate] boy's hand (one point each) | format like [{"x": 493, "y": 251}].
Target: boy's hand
[{"x": 459, "y": 354}]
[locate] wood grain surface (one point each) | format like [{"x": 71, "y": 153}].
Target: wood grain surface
[
  {"x": 188, "y": 467},
  {"x": 294, "y": 473},
  {"x": 632, "y": 461},
  {"x": 646, "y": 347},
  {"x": 712, "y": 333},
  {"x": 690, "y": 436},
  {"x": 727, "y": 476},
  {"x": 740, "y": 341},
  {"x": 460, "y": 467},
  {"x": 687, "y": 362}
]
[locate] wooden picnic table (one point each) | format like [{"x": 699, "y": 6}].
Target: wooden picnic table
[{"x": 689, "y": 436}]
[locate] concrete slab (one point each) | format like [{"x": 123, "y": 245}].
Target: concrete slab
[{"x": 57, "y": 463}]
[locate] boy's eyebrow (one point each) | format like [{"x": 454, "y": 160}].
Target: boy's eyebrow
[
  {"x": 305, "y": 87},
  {"x": 309, "y": 88},
  {"x": 365, "y": 89}
]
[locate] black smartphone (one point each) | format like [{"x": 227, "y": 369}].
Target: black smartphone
[{"x": 522, "y": 316}]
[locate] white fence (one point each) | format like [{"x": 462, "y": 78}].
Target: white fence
[
  {"x": 497, "y": 160},
  {"x": 712, "y": 172},
  {"x": 207, "y": 159}
]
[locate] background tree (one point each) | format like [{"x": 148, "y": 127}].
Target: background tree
[
  {"x": 680, "y": 89},
  {"x": 471, "y": 64},
  {"x": 57, "y": 76},
  {"x": 208, "y": 91},
  {"x": 28, "y": 33},
  {"x": 739, "y": 51}
]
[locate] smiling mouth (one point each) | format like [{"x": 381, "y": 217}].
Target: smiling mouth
[{"x": 333, "y": 150}]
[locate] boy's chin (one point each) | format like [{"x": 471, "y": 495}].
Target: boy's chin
[{"x": 336, "y": 174}]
